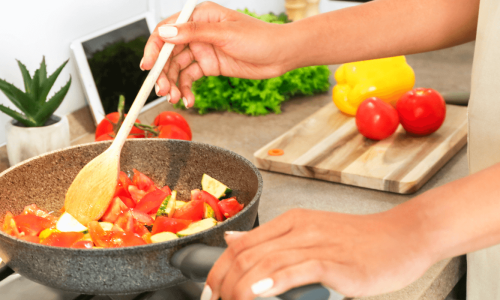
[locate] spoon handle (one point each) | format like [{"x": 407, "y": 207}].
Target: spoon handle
[{"x": 149, "y": 83}]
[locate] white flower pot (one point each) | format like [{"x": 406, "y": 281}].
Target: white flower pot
[{"x": 26, "y": 142}]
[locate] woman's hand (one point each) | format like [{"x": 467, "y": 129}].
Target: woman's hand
[
  {"x": 354, "y": 255},
  {"x": 216, "y": 41}
]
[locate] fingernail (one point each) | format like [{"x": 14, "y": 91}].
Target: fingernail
[
  {"x": 185, "y": 102},
  {"x": 262, "y": 286},
  {"x": 140, "y": 64},
  {"x": 167, "y": 31},
  {"x": 157, "y": 89},
  {"x": 168, "y": 98},
  {"x": 207, "y": 293}
]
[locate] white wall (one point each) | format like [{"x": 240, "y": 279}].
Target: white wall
[{"x": 30, "y": 29}]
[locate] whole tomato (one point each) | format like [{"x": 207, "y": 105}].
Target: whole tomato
[
  {"x": 172, "y": 132},
  {"x": 108, "y": 126},
  {"x": 421, "y": 111},
  {"x": 376, "y": 119},
  {"x": 173, "y": 118}
]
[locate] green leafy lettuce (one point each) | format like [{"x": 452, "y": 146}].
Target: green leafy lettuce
[{"x": 258, "y": 97}]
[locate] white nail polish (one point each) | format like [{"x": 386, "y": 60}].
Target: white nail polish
[
  {"x": 262, "y": 286},
  {"x": 140, "y": 64},
  {"x": 207, "y": 293},
  {"x": 167, "y": 31},
  {"x": 185, "y": 102},
  {"x": 168, "y": 98},
  {"x": 157, "y": 89}
]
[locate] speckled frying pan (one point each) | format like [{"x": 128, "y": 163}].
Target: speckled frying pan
[{"x": 179, "y": 164}]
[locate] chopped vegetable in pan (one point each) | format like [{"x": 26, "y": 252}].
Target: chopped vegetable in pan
[{"x": 140, "y": 213}]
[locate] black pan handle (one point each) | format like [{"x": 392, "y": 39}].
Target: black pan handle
[
  {"x": 5, "y": 271},
  {"x": 457, "y": 98},
  {"x": 196, "y": 260}
]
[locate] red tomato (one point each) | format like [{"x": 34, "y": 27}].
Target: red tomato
[
  {"x": 129, "y": 202},
  {"x": 421, "y": 111},
  {"x": 9, "y": 225},
  {"x": 83, "y": 245},
  {"x": 206, "y": 197},
  {"x": 125, "y": 239},
  {"x": 136, "y": 193},
  {"x": 147, "y": 238},
  {"x": 111, "y": 136},
  {"x": 124, "y": 180},
  {"x": 34, "y": 210},
  {"x": 30, "y": 238},
  {"x": 229, "y": 207},
  {"x": 376, "y": 119},
  {"x": 172, "y": 132},
  {"x": 98, "y": 235},
  {"x": 31, "y": 224},
  {"x": 141, "y": 217},
  {"x": 173, "y": 118},
  {"x": 126, "y": 221},
  {"x": 109, "y": 124},
  {"x": 62, "y": 239},
  {"x": 193, "y": 210},
  {"x": 140, "y": 230},
  {"x": 141, "y": 181},
  {"x": 169, "y": 224},
  {"x": 151, "y": 201},
  {"x": 115, "y": 209},
  {"x": 167, "y": 190}
]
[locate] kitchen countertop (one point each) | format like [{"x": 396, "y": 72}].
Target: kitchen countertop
[{"x": 445, "y": 70}]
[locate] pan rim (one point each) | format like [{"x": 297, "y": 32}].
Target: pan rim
[{"x": 157, "y": 246}]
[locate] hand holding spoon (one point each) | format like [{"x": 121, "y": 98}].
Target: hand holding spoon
[{"x": 89, "y": 195}]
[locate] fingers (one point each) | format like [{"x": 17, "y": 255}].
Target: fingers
[{"x": 210, "y": 33}]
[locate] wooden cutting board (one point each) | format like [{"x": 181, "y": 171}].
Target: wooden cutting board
[{"x": 328, "y": 146}]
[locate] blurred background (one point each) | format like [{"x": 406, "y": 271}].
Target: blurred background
[{"x": 32, "y": 29}]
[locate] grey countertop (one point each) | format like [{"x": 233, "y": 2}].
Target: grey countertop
[{"x": 445, "y": 70}]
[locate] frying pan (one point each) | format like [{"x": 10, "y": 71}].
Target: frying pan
[{"x": 43, "y": 180}]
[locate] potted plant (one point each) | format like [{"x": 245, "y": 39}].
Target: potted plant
[{"x": 35, "y": 130}]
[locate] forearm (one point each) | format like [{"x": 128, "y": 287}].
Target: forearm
[
  {"x": 381, "y": 28},
  {"x": 457, "y": 218}
]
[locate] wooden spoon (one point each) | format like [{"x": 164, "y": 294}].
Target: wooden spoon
[{"x": 91, "y": 192}]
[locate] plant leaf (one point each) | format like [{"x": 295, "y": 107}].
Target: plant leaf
[
  {"x": 27, "y": 105},
  {"x": 43, "y": 72},
  {"x": 26, "y": 76},
  {"x": 7, "y": 89},
  {"x": 35, "y": 88},
  {"x": 50, "y": 106},
  {"x": 17, "y": 116},
  {"x": 47, "y": 85}
]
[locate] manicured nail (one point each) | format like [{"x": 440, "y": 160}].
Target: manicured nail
[
  {"x": 185, "y": 102},
  {"x": 207, "y": 293},
  {"x": 262, "y": 286},
  {"x": 231, "y": 232},
  {"x": 140, "y": 64},
  {"x": 167, "y": 31},
  {"x": 168, "y": 98},
  {"x": 157, "y": 89}
]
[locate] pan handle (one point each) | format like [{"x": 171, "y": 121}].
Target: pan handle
[
  {"x": 196, "y": 260},
  {"x": 5, "y": 271}
]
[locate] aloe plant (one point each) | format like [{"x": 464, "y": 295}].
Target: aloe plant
[{"x": 33, "y": 103}]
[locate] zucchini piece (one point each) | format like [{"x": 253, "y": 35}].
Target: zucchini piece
[
  {"x": 198, "y": 227},
  {"x": 106, "y": 226},
  {"x": 167, "y": 207},
  {"x": 209, "y": 212},
  {"x": 67, "y": 223},
  {"x": 179, "y": 204},
  {"x": 163, "y": 237},
  {"x": 214, "y": 187}
]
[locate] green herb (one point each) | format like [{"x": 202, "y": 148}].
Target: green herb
[
  {"x": 33, "y": 102},
  {"x": 258, "y": 97}
]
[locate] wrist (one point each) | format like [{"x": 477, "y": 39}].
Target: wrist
[{"x": 291, "y": 40}]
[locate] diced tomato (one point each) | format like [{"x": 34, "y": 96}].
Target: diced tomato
[
  {"x": 229, "y": 207},
  {"x": 167, "y": 190},
  {"x": 9, "y": 225},
  {"x": 210, "y": 200},
  {"x": 34, "y": 210},
  {"x": 141, "y": 181},
  {"x": 115, "y": 208},
  {"x": 141, "y": 217},
  {"x": 83, "y": 245},
  {"x": 126, "y": 239},
  {"x": 193, "y": 210},
  {"x": 121, "y": 191},
  {"x": 126, "y": 221},
  {"x": 124, "y": 180},
  {"x": 62, "y": 239},
  {"x": 128, "y": 201},
  {"x": 151, "y": 202},
  {"x": 169, "y": 224},
  {"x": 31, "y": 224},
  {"x": 98, "y": 235},
  {"x": 30, "y": 238},
  {"x": 140, "y": 230},
  {"x": 147, "y": 238},
  {"x": 136, "y": 193}
]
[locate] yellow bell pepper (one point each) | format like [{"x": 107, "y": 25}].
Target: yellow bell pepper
[{"x": 385, "y": 78}]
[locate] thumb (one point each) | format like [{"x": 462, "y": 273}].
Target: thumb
[{"x": 211, "y": 33}]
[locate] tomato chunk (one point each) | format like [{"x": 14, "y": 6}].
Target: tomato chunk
[
  {"x": 193, "y": 210},
  {"x": 116, "y": 208},
  {"x": 98, "y": 235},
  {"x": 125, "y": 239},
  {"x": 31, "y": 224},
  {"x": 62, "y": 239},
  {"x": 151, "y": 201},
  {"x": 169, "y": 224},
  {"x": 141, "y": 181},
  {"x": 141, "y": 217},
  {"x": 135, "y": 193},
  {"x": 124, "y": 180},
  {"x": 210, "y": 200},
  {"x": 229, "y": 207},
  {"x": 9, "y": 225},
  {"x": 126, "y": 221},
  {"x": 83, "y": 245}
]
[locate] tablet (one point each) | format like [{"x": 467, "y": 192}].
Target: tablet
[{"x": 108, "y": 65}]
